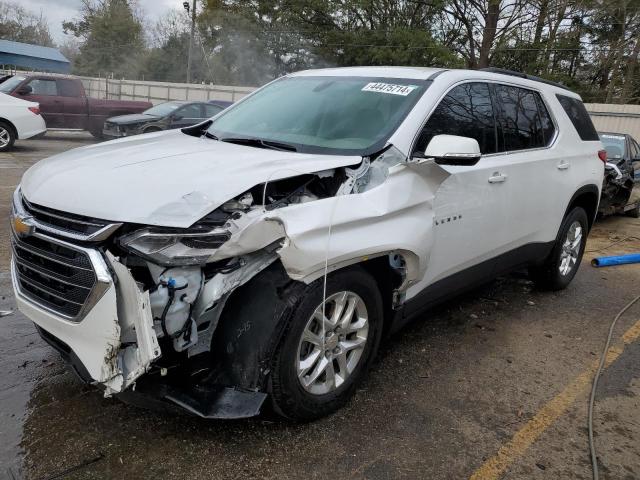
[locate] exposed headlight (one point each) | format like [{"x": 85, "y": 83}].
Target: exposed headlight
[
  {"x": 171, "y": 249},
  {"x": 172, "y": 246}
]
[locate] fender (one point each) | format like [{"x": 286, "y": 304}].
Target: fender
[{"x": 589, "y": 189}]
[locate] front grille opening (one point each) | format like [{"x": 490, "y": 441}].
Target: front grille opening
[
  {"x": 50, "y": 301},
  {"x": 55, "y": 276}
]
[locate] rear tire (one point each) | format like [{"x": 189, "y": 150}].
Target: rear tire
[
  {"x": 295, "y": 395},
  {"x": 562, "y": 264},
  {"x": 7, "y": 136}
]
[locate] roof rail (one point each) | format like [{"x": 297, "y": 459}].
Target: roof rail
[{"x": 504, "y": 71}]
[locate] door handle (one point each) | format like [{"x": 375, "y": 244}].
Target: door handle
[
  {"x": 497, "y": 177},
  {"x": 563, "y": 166}
]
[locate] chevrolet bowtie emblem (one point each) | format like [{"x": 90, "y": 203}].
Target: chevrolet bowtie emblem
[{"x": 21, "y": 226}]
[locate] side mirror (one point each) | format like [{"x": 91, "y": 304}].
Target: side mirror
[
  {"x": 24, "y": 90},
  {"x": 453, "y": 150},
  {"x": 177, "y": 117}
]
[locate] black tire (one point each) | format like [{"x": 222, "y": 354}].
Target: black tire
[
  {"x": 548, "y": 275},
  {"x": 288, "y": 396},
  {"x": 8, "y": 132},
  {"x": 97, "y": 134}
]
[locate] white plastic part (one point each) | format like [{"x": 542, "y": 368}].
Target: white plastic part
[
  {"x": 442, "y": 146},
  {"x": 187, "y": 283}
]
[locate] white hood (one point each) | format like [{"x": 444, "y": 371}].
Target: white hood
[{"x": 166, "y": 178}]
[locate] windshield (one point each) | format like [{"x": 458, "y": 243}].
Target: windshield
[
  {"x": 163, "y": 109},
  {"x": 334, "y": 115},
  {"x": 613, "y": 144},
  {"x": 10, "y": 84}
]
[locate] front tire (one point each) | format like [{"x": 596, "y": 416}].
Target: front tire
[
  {"x": 7, "y": 136},
  {"x": 562, "y": 264},
  {"x": 315, "y": 374}
]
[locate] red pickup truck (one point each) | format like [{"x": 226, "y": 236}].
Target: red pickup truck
[{"x": 64, "y": 103}]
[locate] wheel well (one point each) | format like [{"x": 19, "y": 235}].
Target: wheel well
[
  {"x": 15, "y": 131},
  {"x": 387, "y": 279},
  {"x": 586, "y": 198}
]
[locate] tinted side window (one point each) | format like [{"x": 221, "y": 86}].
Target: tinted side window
[
  {"x": 190, "y": 111},
  {"x": 41, "y": 86},
  {"x": 548, "y": 129},
  {"x": 520, "y": 119},
  {"x": 635, "y": 150},
  {"x": 68, "y": 88},
  {"x": 466, "y": 111},
  {"x": 211, "y": 110},
  {"x": 579, "y": 117}
]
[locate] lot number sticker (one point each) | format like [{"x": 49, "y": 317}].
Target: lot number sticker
[{"x": 378, "y": 87}]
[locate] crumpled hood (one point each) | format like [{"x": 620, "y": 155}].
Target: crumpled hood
[{"x": 164, "y": 178}]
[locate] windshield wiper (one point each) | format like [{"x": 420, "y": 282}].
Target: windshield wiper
[
  {"x": 258, "y": 142},
  {"x": 210, "y": 135}
]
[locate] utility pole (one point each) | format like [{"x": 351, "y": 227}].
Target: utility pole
[{"x": 193, "y": 30}]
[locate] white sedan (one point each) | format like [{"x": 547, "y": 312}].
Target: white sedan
[{"x": 19, "y": 119}]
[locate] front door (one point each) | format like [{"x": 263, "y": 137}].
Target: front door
[
  {"x": 471, "y": 205},
  {"x": 186, "y": 116}
]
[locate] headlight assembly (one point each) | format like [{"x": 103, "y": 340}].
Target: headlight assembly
[{"x": 172, "y": 247}]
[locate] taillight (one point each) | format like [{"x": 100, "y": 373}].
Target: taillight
[
  {"x": 602, "y": 155},
  {"x": 35, "y": 110}
]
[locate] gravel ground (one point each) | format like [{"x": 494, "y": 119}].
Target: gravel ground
[{"x": 445, "y": 395}]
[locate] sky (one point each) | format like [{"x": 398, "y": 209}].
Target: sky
[{"x": 56, "y": 11}]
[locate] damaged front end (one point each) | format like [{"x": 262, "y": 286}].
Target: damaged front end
[
  {"x": 617, "y": 187},
  {"x": 190, "y": 315}
]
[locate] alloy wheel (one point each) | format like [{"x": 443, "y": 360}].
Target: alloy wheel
[
  {"x": 332, "y": 343},
  {"x": 570, "y": 249},
  {"x": 5, "y": 137}
]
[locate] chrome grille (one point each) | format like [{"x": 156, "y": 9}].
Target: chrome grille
[
  {"x": 53, "y": 274},
  {"x": 67, "y": 222}
]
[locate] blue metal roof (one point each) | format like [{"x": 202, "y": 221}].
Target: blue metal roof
[{"x": 32, "y": 56}]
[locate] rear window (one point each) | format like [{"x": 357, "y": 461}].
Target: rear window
[{"x": 579, "y": 117}]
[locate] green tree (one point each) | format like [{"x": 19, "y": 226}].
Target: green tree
[
  {"x": 112, "y": 38},
  {"x": 20, "y": 25}
]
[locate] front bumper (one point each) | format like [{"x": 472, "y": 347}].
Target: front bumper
[
  {"x": 91, "y": 340},
  {"x": 91, "y": 345}
]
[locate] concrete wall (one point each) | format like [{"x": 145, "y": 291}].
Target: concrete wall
[
  {"x": 158, "y": 92},
  {"x": 615, "y": 118}
]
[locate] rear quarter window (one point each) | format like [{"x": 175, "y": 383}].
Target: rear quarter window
[{"x": 580, "y": 118}]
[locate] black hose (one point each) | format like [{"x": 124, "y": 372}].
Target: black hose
[{"x": 172, "y": 293}]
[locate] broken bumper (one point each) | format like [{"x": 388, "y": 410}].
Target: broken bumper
[
  {"x": 86, "y": 330},
  {"x": 90, "y": 342}
]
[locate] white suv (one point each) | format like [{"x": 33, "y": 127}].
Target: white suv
[{"x": 264, "y": 253}]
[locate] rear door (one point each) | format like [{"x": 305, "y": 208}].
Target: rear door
[
  {"x": 187, "y": 115},
  {"x": 74, "y": 103},
  {"x": 535, "y": 173},
  {"x": 45, "y": 92},
  {"x": 471, "y": 204}
]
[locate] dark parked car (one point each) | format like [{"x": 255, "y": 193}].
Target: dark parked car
[
  {"x": 64, "y": 103},
  {"x": 165, "y": 116},
  {"x": 622, "y": 152}
]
